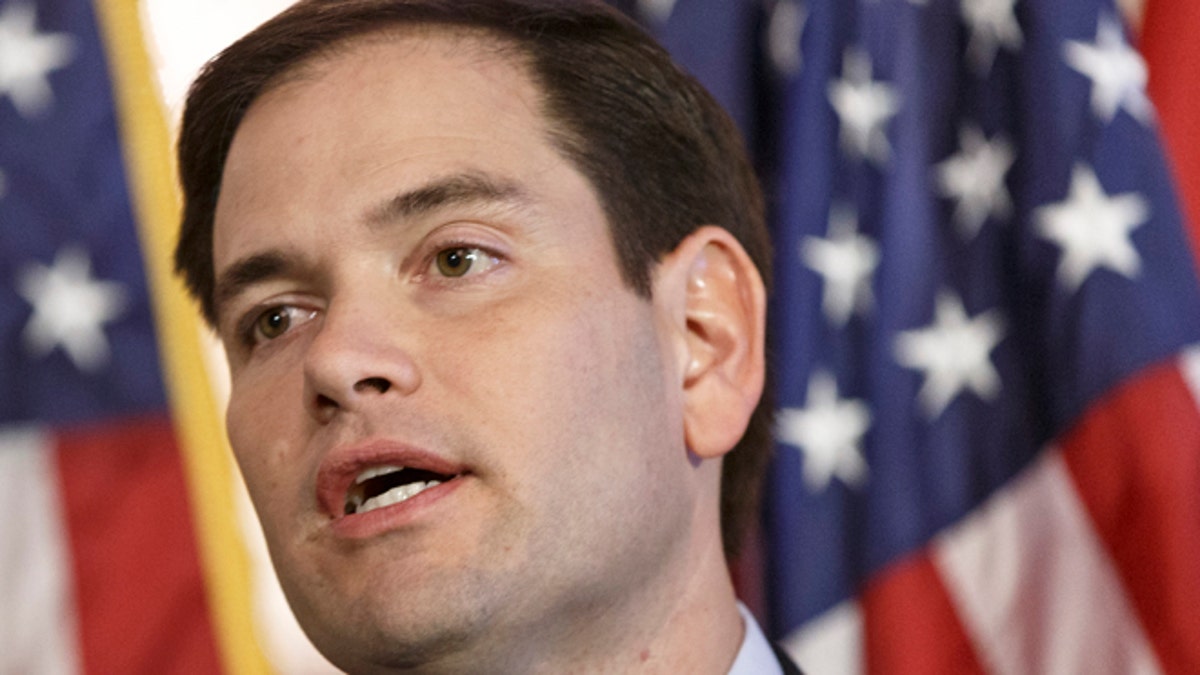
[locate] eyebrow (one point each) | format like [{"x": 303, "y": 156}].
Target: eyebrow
[
  {"x": 468, "y": 187},
  {"x": 247, "y": 272}
]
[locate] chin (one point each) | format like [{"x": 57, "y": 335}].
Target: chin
[{"x": 392, "y": 629}]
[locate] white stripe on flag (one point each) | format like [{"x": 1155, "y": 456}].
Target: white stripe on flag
[
  {"x": 37, "y": 619},
  {"x": 831, "y": 643},
  {"x": 1190, "y": 366},
  {"x": 1035, "y": 590}
]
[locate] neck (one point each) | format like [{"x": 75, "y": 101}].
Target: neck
[
  {"x": 702, "y": 633},
  {"x": 686, "y": 622}
]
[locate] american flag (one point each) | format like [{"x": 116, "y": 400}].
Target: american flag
[
  {"x": 1173, "y": 54},
  {"x": 989, "y": 452},
  {"x": 988, "y": 442},
  {"x": 111, "y": 556}
]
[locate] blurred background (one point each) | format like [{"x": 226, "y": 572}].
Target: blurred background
[{"x": 983, "y": 325}]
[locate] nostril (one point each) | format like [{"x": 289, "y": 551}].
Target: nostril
[
  {"x": 377, "y": 383},
  {"x": 324, "y": 402}
]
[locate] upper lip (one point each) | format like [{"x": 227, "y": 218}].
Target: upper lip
[{"x": 344, "y": 464}]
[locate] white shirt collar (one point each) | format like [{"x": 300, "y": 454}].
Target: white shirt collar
[{"x": 756, "y": 656}]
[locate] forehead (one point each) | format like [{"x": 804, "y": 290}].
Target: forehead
[{"x": 382, "y": 113}]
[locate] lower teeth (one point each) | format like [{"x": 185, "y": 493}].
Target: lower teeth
[{"x": 395, "y": 496}]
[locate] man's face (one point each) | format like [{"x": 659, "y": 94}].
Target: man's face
[{"x": 410, "y": 275}]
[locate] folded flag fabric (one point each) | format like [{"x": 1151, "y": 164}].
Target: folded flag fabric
[{"x": 117, "y": 547}]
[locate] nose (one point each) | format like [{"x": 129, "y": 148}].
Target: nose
[{"x": 354, "y": 361}]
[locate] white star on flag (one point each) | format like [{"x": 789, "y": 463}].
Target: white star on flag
[
  {"x": 954, "y": 353},
  {"x": 974, "y": 178},
  {"x": 993, "y": 24},
  {"x": 784, "y": 30},
  {"x": 27, "y": 58},
  {"x": 829, "y": 432},
  {"x": 70, "y": 309},
  {"x": 1093, "y": 229},
  {"x": 846, "y": 260},
  {"x": 656, "y": 10},
  {"x": 1117, "y": 71},
  {"x": 864, "y": 107}
]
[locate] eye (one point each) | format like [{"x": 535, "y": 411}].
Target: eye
[
  {"x": 275, "y": 321},
  {"x": 458, "y": 261}
]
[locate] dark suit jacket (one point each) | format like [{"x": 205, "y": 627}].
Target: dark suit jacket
[{"x": 785, "y": 662}]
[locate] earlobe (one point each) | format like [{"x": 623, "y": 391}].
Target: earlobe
[{"x": 722, "y": 347}]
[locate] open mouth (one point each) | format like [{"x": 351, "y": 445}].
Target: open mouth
[{"x": 382, "y": 486}]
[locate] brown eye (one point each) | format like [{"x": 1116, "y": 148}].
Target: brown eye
[
  {"x": 273, "y": 322},
  {"x": 455, "y": 262}
]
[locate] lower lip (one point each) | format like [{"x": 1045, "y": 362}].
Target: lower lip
[{"x": 394, "y": 516}]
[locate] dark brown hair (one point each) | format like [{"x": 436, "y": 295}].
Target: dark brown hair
[{"x": 662, "y": 155}]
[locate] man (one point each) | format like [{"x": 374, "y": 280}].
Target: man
[{"x": 490, "y": 280}]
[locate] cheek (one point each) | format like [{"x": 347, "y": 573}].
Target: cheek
[
  {"x": 579, "y": 393},
  {"x": 258, "y": 423},
  {"x": 597, "y": 446}
]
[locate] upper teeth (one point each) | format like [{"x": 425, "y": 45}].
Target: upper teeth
[{"x": 375, "y": 472}]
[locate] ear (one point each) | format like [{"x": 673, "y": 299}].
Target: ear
[{"x": 717, "y": 305}]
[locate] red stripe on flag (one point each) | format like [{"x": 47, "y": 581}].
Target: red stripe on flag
[
  {"x": 911, "y": 626},
  {"x": 1135, "y": 457},
  {"x": 139, "y": 588},
  {"x": 1172, "y": 53}
]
